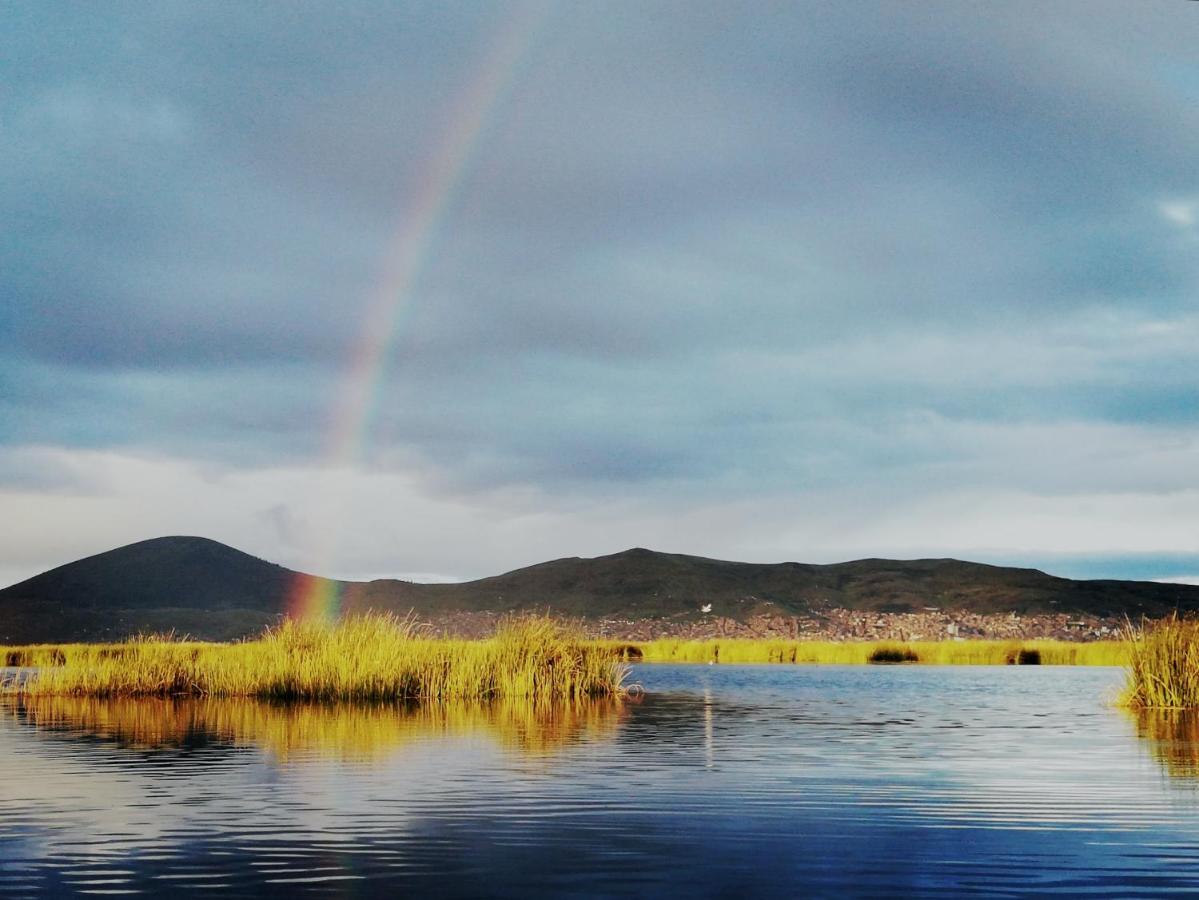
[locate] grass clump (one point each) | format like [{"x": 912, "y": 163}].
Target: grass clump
[
  {"x": 893, "y": 653},
  {"x": 34, "y": 655},
  {"x": 369, "y": 657},
  {"x": 1163, "y": 666}
]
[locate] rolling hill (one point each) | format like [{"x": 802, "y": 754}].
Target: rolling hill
[{"x": 210, "y": 590}]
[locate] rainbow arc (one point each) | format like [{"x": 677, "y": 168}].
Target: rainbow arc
[{"x": 437, "y": 187}]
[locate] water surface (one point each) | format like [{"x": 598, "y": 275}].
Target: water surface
[{"x": 722, "y": 781}]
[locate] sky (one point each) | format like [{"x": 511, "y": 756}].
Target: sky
[{"x": 437, "y": 290}]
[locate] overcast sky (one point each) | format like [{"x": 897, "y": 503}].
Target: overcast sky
[{"x": 804, "y": 281}]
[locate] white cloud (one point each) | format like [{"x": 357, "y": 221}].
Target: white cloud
[
  {"x": 1011, "y": 523},
  {"x": 1182, "y": 213},
  {"x": 366, "y": 524}
]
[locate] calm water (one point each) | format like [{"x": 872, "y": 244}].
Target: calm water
[{"x": 722, "y": 781}]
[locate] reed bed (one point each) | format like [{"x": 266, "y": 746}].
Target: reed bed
[
  {"x": 969, "y": 652},
  {"x": 38, "y": 655},
  {"x": 1163, "y": 666},
  {"x": 382, "y": 658},
  {"x": 372, "y": 657}
]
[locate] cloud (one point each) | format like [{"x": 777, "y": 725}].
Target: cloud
[
  {"x": 1181, "y": 212},
  {"x": 696, "y": 258},
  {"x": 395, "y": 524},
  {"x": 289, "y": 530}
]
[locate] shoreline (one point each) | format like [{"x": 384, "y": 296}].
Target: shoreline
[
  {"x": 833, "y": 624},
  {"x": 77, "y": 658}
]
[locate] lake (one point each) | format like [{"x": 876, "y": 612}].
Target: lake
[{"x": 722, "y": 781}]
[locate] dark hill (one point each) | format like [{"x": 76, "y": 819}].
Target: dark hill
[
  {"x": 207, "y": 589},
  {"x": 185, "y": 584},
  {"x": 642, "y": 583}
]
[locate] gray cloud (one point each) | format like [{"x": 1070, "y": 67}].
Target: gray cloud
[{"x": 696, "y": 253}]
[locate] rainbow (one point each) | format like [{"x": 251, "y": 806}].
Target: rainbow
[{"x": 437, "y": 186}]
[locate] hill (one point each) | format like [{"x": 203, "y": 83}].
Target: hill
[
  {"x": 187, "y": 584},
  {"x": 210, "y": 590},
  {"x": 641, "y": 583}
]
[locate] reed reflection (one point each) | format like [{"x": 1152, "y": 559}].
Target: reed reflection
[
  {"x": 296, "y": 731},
  {"x": 1172, "y": 736}
]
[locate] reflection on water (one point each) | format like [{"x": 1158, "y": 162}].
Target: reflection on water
[
  {"x": 287, "y": 731},
  {"x": 722, "y": 781},
  {"x": 1173, "y": 738}
]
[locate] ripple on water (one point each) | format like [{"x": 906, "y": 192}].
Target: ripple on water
[{"x": 732, "y": 780}]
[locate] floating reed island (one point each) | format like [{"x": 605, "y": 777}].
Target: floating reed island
[{"x": 372, "y": 657}]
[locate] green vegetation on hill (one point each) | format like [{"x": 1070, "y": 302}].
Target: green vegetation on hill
[{"x": 642, "y": 583}]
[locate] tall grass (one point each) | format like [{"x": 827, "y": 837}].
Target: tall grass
[
  {"x": 37, "y": 654},
  {"x": 371, "y": 657},
  {"x": 1163, "y": 666},
  {"x": 377, "y": 657},
  {"x": 973, "y": 652}
]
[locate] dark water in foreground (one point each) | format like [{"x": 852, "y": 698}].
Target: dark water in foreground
[{"x": 723, "y": 781}]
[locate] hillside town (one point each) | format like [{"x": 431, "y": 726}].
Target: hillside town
[{"x": 832, "y": 624}]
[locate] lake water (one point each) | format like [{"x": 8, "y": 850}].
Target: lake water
[{"x": 723, "y": 781}]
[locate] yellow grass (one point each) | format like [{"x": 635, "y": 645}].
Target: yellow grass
[
  {"x": 376, "y": 657},
  {"x": 369, "y": 657},
  {"x": 1163, "y": 666},
  {"x": 971, "y": 652},
  {"x": 38, "y": 654}
]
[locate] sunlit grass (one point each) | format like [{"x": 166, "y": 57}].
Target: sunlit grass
[
  {"x": 1163, "y": 666},
  {"x": 371, "y": 657},
  {"x": 970, "y": 652},
  {"x": 376, "y": 657},
  {"x": 38, "y": 654},
  {"x": 892, "y": 653}
]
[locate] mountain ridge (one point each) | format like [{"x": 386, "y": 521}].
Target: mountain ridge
[{"x": 202, "y": 587}]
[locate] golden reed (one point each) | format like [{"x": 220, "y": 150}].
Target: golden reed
[
  {"x": 1163, "y": 665},
  {"x": 969, "y": 652},
  {"x": 372, "y": 657}
]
